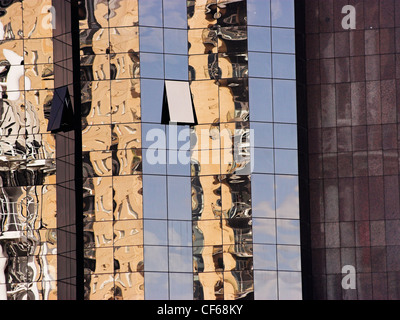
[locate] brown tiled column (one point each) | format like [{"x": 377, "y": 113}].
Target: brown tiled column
[{"x": 353, "y": 94}]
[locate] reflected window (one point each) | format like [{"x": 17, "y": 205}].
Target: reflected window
[
  {"x": 260, "y": 64},
  {"x": 178, "y": 104},
  {"x": 151, "y": 40},
  {"x": 154, "y": 197}
]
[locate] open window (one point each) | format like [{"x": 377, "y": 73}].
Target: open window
[
  {"x": 178, "y": 104},
  {"x": 61, "y": 113}
]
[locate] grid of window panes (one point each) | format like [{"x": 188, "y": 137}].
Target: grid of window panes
[
  {"x": 28, "y": 241},
  {"x": 275, "y": 199}
]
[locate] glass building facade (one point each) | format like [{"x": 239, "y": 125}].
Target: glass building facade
[{"x": 198, "y": 149}]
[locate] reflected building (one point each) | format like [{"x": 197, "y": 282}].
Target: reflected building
[{"x": 104, "y": 195}]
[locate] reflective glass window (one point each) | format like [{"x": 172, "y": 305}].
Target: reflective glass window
[
  {"x": 152, "y": 94},
  {"x": 288, "y": 232},
  {"x": 178, "y": 163},
  {"x": 286, "y": 161},
  {"x": 178, "y": 137},
  {"x": 176, "y": 67},
  {"x": 284, "y": 97},
  {"x": 153, "y": 136},
  {"x": 176, "y": 41},
  {"x": 260, "y": 91},
  {"x": 260, "y": 64},
  {"x": 156, "y": 286},
  {"x": 151, "y": 39},
  {"x": 259, "y": 39},
  {"x": 150, "y": 13},
  {"x": 181, "y": 286},
  {"x": 262, "y": 134},
  {"x": 155, "y": 258},
  {"x": 175, "y": 13},
  {"x": 266, "y": 285},
  {"x": 290, "y": 285},
  {"x": 154, "y": 161},
  {"x": 264, "y": 257},
  {"x": 284, "y": 66},
  {"x": 152, "y": 65},
  {"x": 285, "y": 136},
  {"x": 264, "y": 231},
  {"x": 263, "y": 160},
  {"x": 180, "y": 259},
  {"x": 155, "y": 232},
  {"x": 259, "y": 12},
  {"x": 179, "y": 198},
  {"x": 154, "y": 197},
  {"x": 289, "y": 258},
  {"x": 263, "y": 196},
  {"x": 283, "y": 40},
  {"x": 282, "y": 13},
  {"x": 180, "y": 233},
  {"x": 287, "y": 197}
]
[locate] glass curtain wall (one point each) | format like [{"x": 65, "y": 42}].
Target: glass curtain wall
[
  {"x": 28, "y": 242},
  {"x": 204, "y": 212}
]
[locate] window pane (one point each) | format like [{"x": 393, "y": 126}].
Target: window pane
[
  {"x": 258, "y": 12},
  {"x": 176, "y": 41},
  {"x": 151, "y": 39},
  {"x": 286, "y": 161},
  {"x": 266, "y": 285},
  {"x": 175, "y": 13},
  {"x": 264, "y": 231},
  {"x": 151, "y": 65},
  {"x": 263, "y": 134},
  {"x": 180, "y": 259},
  {"x": 156, "y": 286},
  {"x": 263, "y": 160},
  {"x": 154, "y": 197},
  {"x": 179, "y": 198},
  {"x": 263, "y": 196},
  {"x": 285, "y": 136},
  {"x": 284, "y": 66},
  {"x": 152, "y": 94},
  {"x": 283, "y": 40},
  {"x": 176, "y": 67},
  {"x": 260, "y": 91},
  {"x": 181, "y": 286},
  {"x": 180, "y": 233},
  {"x": 150, "y": 13},
  {"x": 285, "y": 109},
  {"x": 259, "y": 39},
  {"x": 155, "y": 258},
  {"x": 155, "y": 232},
  {"x": 259, "y": 64},
  {"x": 290, "y": 287},
  {"x": 287, "y": 197},
  {"x": 288, "y": 232},
  {"x": 264, "y": 257},
  {"x": 282, "y": 13},
  {"x": 289, "y": 258}
]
